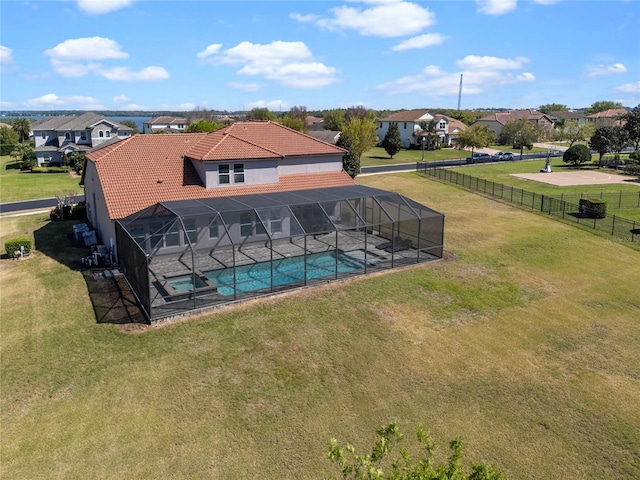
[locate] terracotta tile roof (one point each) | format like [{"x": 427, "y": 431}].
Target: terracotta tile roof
[
  {"x": 611, "y": 113},
  {"x": 253, "y": 140},
  {"x": 146, "y": 169},
  {"x": 504, "y": 117}
]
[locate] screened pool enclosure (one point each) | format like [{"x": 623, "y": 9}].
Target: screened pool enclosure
[{"x": 187, "y": 255}]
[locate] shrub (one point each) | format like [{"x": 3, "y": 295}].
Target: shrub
[
  {"x": 50, "y": 169},
  {"x": 635, "y": 156},
  {"x": 593, "y": 207},
  {"x": 577, "y": 155},
  {"x": 631, "y": 169},
  {"x": 13, "y": 245},
  {"x": 79, "y": 211}
]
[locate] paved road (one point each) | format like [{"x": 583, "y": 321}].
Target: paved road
[{"x": 42, "y": 203}]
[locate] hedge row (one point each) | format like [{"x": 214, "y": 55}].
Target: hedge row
[
  {"x": 50, "y": 169},
  {"x": 12, "y": 246}
]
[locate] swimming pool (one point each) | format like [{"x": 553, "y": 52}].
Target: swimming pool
[{"x": 257, "y": 276}]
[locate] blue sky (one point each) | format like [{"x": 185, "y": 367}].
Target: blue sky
[{"x": 383, "y": 54}]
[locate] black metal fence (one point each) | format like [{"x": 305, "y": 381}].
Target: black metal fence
[{"x": 566, "y": 207}]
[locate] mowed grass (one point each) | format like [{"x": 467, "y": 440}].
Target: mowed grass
[
  {"x": 16, "y": 185},
  {"x": 378, "y": 156},
  {"x": 527, "y": 345},
  {"x": 504, "y": 173}
]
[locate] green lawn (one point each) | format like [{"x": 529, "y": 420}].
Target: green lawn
[
  {"x": 522, "y": 344},
  {"x": 378, "y": 156},
  {"x": 503, "y": 173},
  {"x": 16, "y": 185}
]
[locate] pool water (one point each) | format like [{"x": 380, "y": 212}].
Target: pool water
[
  {"x": 185, "y": 283},
  {"x": 257, "y": 276}
]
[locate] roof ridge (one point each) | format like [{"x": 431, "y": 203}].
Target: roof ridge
[
  {"x": 229, "y": 134},
  {"x": 115, "y": 145},
  {"x": 301, "y": 133}
]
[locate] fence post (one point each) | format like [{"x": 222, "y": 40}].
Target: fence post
[
  {"x": 542, "y": 204},
  {"x": 613, "y": 225},
  {"x": 620, "y": 201}
]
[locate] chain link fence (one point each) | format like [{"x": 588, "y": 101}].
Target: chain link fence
[{"x": 566, "y": 207}]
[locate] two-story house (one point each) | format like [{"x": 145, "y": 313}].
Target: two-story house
[
  {"x": 56, "y": 138},
  {"x": 607, "y": 118},
  {"x": 408, "y": 123},
  {"x": 203, "y": 219},
  {"x": 164, "y": 123}
]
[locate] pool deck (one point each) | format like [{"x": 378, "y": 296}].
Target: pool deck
[{"x": 370, "y": 247}]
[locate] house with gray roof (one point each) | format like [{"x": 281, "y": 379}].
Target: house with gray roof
[
  {"x": 56, "y": 138},
  {"x": 164, "y": 123},
  {"x": 408, "y": 123}
]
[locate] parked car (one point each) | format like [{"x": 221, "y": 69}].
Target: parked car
[
  {"x": 479, "y": 157},
  {"x": 502, "y": 156}
]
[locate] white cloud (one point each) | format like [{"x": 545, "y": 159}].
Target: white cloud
[
  {"x": 432, "y": 81},
  {"x": 273, "y": 105},
  {"x": 132, "y": 107},
  {"x": 496, "y": 7},
  {"x": 98, "y": 7},
  {"x": 6, "y": 58},
  {"x": 125, "y": 74},
  {"x": 7, "y": 105},
  {"x": 477, "y": 62},
  {"x": 305, "y": 18},
  {"x": 421, "y": 41},
  {"x": 78, "y": 57},
  {"x": 600, "y": 70},
  {"x": 246, "y": 87},
  {"x": 288, "y": 63},
  {"x": 210, "y": 50},
  {"x": 77, "y": 101},
  {"x": 121, "y": 99},
  {"x": 629, "y": 88},
  {"x": 88, "y": 48},
  {"x": 383, "y": 19}
]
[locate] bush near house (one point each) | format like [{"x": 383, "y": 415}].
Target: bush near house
[
  {"x": 50, "y": 169},
  {"x": 12, "y": 246}
]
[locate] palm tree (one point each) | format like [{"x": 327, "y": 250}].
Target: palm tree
[{"x": 23, "y": 127}]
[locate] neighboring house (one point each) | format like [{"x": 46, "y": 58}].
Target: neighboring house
[
  {"x": 329, "y": 136},
  {"x": 447, "y": 130},
  {"x": 5, "y": 125},
  {"x": 608, "y": 118},
  {"x": 203, "y": 219},
  {"x": 164, "y": 123},
  {"x": 566, "y": 116},
  {"x": 496, "y": 121},
  {"x": 314, "y": 123},
  {"x": 56, "y": 138},
  {"x": 408, "y": 123}
]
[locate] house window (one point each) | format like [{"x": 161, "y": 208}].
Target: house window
[
  {"x": 246, "y": 224},
  {"x": 163, "y": 235},
  {"x": 275, "y": 225},
  {"x": 137, "y": 233},
  {"x": 223, "y": 174},
  {"x": 46, "y": 157},
  {"x": 238, "y": 173},
  {"x": 101, "y": 134},
  {"x": 190, "y": 231},
  {"x": 442, "y": 125},
  {"x": 108, "y": 134},
  {"x": 83, "y": 135},
  {"x": 44, "y": 135},
  {"x": 213, "y": 228},
  {"x": 405, "y": 125},
  {"x": 67, "y": 136},
  {"x": 380, "y": 125}
]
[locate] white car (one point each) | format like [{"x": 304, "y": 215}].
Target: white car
[{"x": 502, "y": 156}]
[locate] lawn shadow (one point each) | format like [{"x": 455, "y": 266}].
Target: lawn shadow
[{"x": 111, "y": 297}]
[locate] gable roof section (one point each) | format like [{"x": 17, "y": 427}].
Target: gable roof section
[
  {"x": 253, "y": 140},
  {"x": 65, "y": 122},
  {"x": 504, "y": 117},
  {"x": 611, "y": 113},
  {"x": 407, "y": 116},
  {"x": 167, "y": 120},
  {"x": 146, "y": 169}
]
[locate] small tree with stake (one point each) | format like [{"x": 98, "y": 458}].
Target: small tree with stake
[{"x": 392, "y": 142}]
